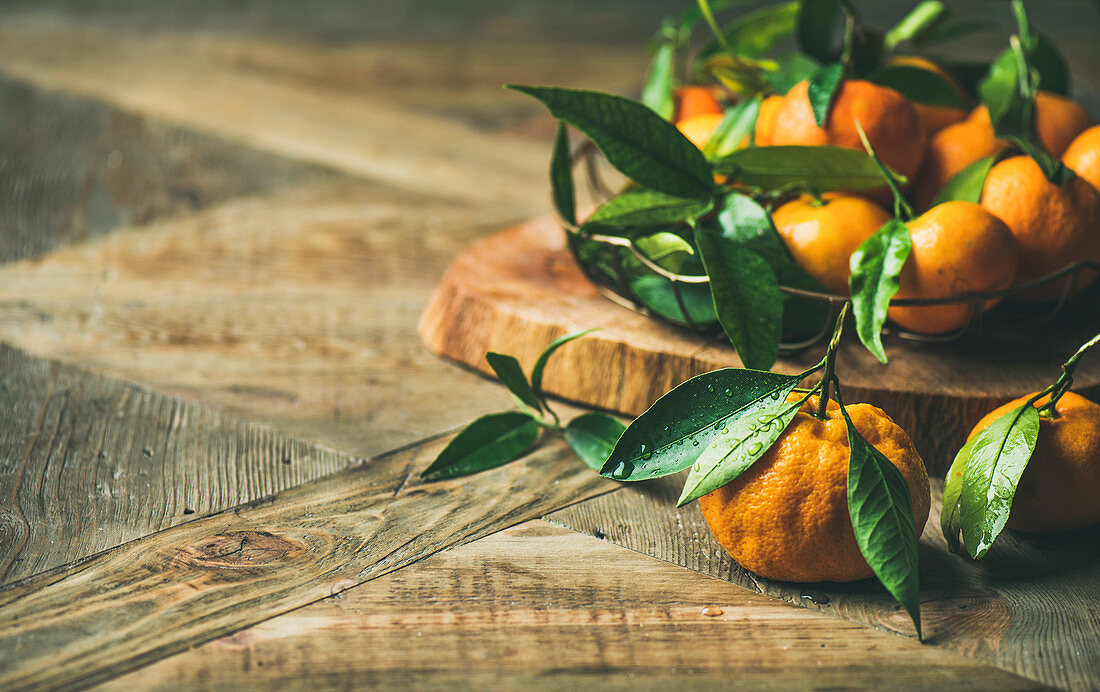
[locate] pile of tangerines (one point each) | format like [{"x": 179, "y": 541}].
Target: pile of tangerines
[{"x": 1024, "y": 228}]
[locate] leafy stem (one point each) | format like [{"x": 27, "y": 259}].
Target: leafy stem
[
  {"x": 902, "y": 210},
  {"x": 719, "y": 35},
  {"x": 1064, "y": 382},
  {"x": 829, "y": 363}
]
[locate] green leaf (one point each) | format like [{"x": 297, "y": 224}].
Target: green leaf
[
  {"x": 747, "y": 298},
  {"x": 756, "y": 33},
  {"x": 821, "y": 167},
  {"x": 544, "y": 357},
  {"x": 737, "y": 124},
  {"x": 672, "y": 434},
  {"x": 967, "y": 184},
  {"x": 925, "y": 16},
  {"x": 657, "y": 294},
  {"x": 1010, "y": 96},
  {"x": 639, "y": 143},
  {"x": 657, "y": 88},
  {"x": 876, "y": 265},
  {"x": 920, "y": 85},
  {"x": 742, "y": 441},
  {"x": 592, "y": 436},
  {"x": 882, "y": 518},
  {"x": 642, "y": 208},
  {"x": 561, "y": 177},
  {"x": 822, "y": 90},
  {"x": 511, "y": 375},
  {"x": 951, "y": 511},
  {"x": 1051, "y": 65},
  {"x": 488, "y": 442},
  {"x": 792, "y": 69},
  {"x": 817, "y": 24},
  {"x": 997, "y": 459},
  {"x": 666, "y": 250}
]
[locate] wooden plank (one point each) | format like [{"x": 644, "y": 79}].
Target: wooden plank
[
  {"x": 1029, "y": 607},
  {"x": 185, "y": 585},
  {"x": 540, "y": 606},
  {"x": 88, "y": 463}
]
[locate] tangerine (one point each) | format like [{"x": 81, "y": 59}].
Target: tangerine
[
  {"x": 699, "y": 128},
  {"x": 933, "y": 118},
  {"x": 696, "y": 99},
  {"x": 1083, "y": 155},
  {"x": 765, "y": 120},
  {"x": 952, "y": 149}
]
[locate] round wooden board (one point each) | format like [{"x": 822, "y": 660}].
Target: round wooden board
[{"x": 517, "y": 290}]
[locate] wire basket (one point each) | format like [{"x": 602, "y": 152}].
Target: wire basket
[{"x": 614, "y": 281}]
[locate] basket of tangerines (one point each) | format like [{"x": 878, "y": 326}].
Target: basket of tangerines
[{"x": 798, "y": 159}]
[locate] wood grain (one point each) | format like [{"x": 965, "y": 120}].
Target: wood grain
[
  {"x": 1029, "y": 607},
  {"x": 540, "y": 606},
  {"x": 177, "y": 588},
  {"x": 514, "y": 291}
]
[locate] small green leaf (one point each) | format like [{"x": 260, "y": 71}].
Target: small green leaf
[
  {"x": 511, "y": 375},
  {"x": 642, "y": 208},
  {"x": 967, "y": 184},
  {"x": 657, "y": 88},
  {"x": 744, "y": 439},
  {"x": 817, "y": 24},
  {"x": 756, "y": 33},
  {"x": 561, "y": 177},
  {"x": 997, "y": 459},
  {"x": 951, "y": 511},
  {"x": 792, "y": 68},
  {"x": 657, "y": 294},
  {"x": 638, "y": 142},
  {"x": 1051, "y": 65},
  {"x": 747, "y": 298},
  {"x": 919, "y": 21},
  {"x": 544, "y": 357},
  {"x": 920, "y": 85},
  {"x": 666, "y": 250},
  {"x": 592, "y": 436},
  {"x": 737, "y": 124},
  {"x": 821, "y": 167},
  {"x": 882, "y": 517},
  {"x": 876, "y": 265},
  {"x": 822, "y": 90},
  {"x": 672, "y": 434},
  {"x": 488, "y": 442}
]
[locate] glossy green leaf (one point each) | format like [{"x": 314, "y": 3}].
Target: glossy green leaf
[
  {"x": 920, "y": 85},
  {"x": 817, "y": 29},
  {"x": 742, "y": 440},
  {"x": 1051, "y": 66},
  {"x": 656, "y": 293},
  {"x": 737, "y": 124},
  {"x": 792, "y": 68},
  {"x": 875, "y": 267},
  {"x": 967, "y": 184},
  {"x": 996, "y": 461},
  {"x": 638, "y": 142},
  {"x": 917, "y": 22},
  {"x": 488, "y": 442},
  {"x": 747, "y": 298},
  {"x": 561, "y": 177},
  {"x": 511, "y": 375},
  {"x": 666, "y": 250},
  {"x": 756, "y": 33},
  {"x": 592, "y": 436},
  {"x": 951, "y": 511},
  {"x": 642, "y": 208},
  {"x": 822, "y": 90},
  {"x": 882, "y": 518},
  {"x": 1009, "y": 94},
  {"x": 821, "y": 167},
  {"x": 657, "y": 87},
  {"x": 672, "y": 434},
  {"x": 544, "y": 357}
]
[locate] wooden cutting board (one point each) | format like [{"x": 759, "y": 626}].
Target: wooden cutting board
[{"x": 517, "y": 290}]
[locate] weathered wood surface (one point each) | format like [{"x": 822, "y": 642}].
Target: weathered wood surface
[
  {"x": 185, "y": 585},
  {"x": 514, "y": 291},
  {"x": 1030, "y": 606},
  {"x": 88, "y": 463},
  {"x": 542, "y": 606}
]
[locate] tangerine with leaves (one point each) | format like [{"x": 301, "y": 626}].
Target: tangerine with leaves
[
  {"x": 787, "y": 517},
  {"x": 1060, "y": 487},
  {"x": 1083, "y": 156},
  {"x": 957, "y": 248},
  {"x": 822, "y": 234},
  {"x": 952, "y": 149}
]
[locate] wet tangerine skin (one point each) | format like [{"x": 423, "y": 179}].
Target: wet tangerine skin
[
  {"x": 1054, "y": 226},
  {"x": 952, "y": 149},
  {"x": 1060, "y": 488},
  {"x": 958, "y": 247},
  {"x": 1083, "y": 156},
  {"x": 786, "y": 517},
  {"x": 888, "y": 118},
  {"x": 822, "y": 237}
]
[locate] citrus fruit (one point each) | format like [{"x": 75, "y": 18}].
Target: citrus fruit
[
  {"x": 699, "y": 128},
  {"x": 1054, "y": 225},
  {"x": 765, "y": 120},
  {"x": 886, "y": 116},
  {"x": 1060, "y": 488},
  {"x": 1083, "y": 155},
  {"x": 933, "y": 118},
  {"x": 1057, "y": 120},
  {"x": 696, "y": 99},
  {"x": 952, "y": 149},
  {"x": 958, "y": 247},
  {"x": 786, "y": 517},
  {"x": 821, "y": 236}
]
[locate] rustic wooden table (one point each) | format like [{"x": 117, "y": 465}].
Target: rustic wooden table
[{"x": 219, "y": 224}]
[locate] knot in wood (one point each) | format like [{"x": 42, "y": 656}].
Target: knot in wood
[{"x": 240, "y": 550}]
